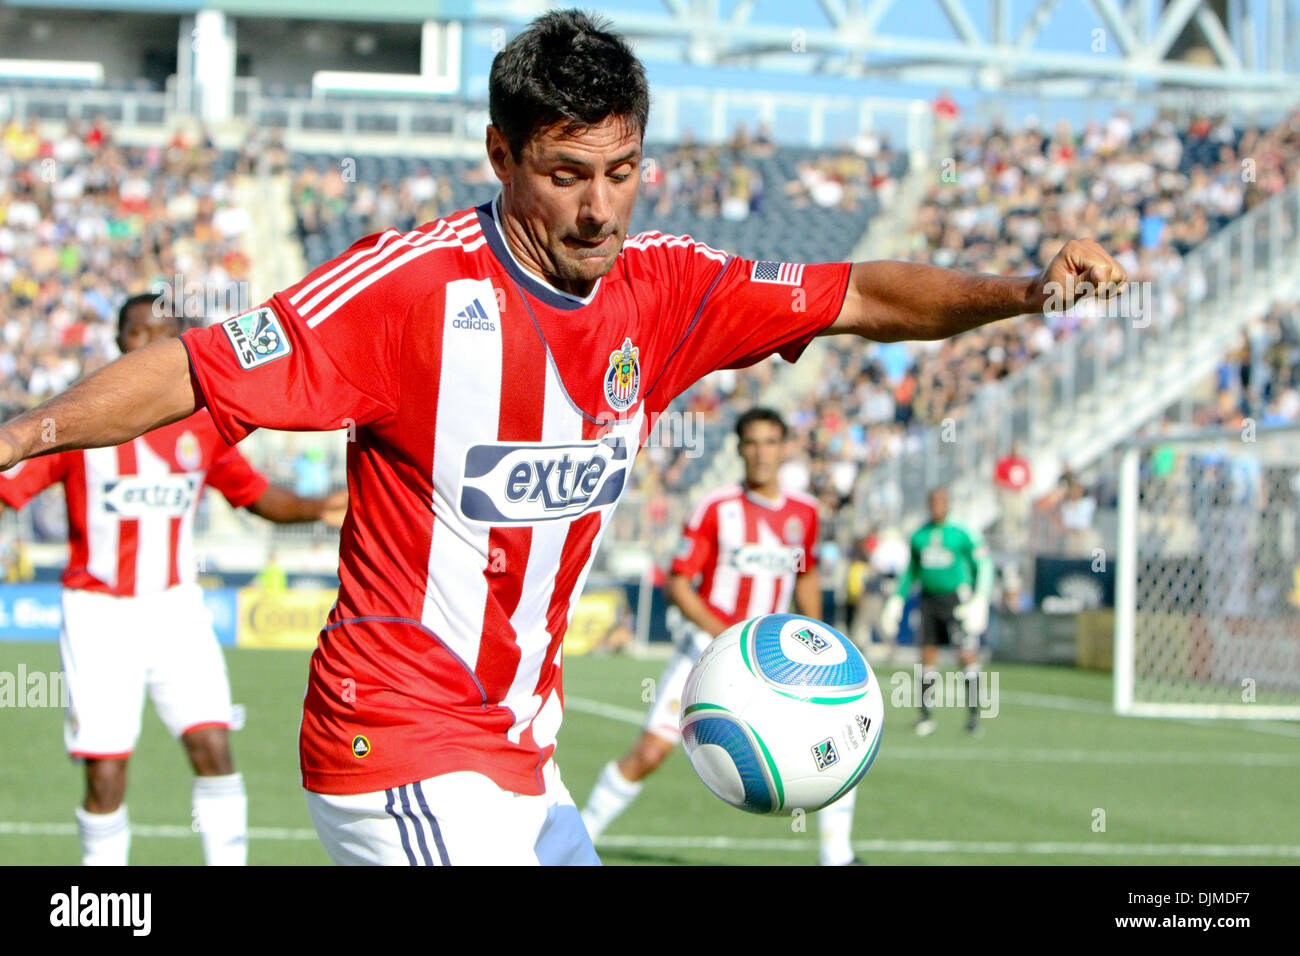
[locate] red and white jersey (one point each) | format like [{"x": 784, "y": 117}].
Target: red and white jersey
[
  {"x": 131, "y": 508},
  {"x": 496, "y": 420},
  {"x": 747, "y": 551}
]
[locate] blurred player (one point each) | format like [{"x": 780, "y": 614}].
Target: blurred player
[
  {"x": 956, "y": 575},
  {"x": 752, "y": 549},
  {"x": 500, "y": 368},
  {"x": 133, "y": 613}
]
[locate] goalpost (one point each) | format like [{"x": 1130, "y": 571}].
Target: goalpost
[{"x": 1207, "y": 600}]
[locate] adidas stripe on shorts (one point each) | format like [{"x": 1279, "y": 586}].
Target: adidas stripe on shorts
[{"x": 454, "y": 819}]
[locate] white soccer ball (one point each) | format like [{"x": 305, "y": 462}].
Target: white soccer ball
[{"x": 781, "y": 711}]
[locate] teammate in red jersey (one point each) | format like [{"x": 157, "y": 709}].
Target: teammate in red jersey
[
  {"x": 133, "y": 613},
  {"x": 500, "y": 368},
  {"x": 752, "y": 547}
]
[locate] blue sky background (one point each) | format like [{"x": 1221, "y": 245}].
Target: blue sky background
[{"x": 1069, "y": 29}]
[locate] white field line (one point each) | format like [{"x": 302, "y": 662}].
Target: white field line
[
  {"x": 1010, "y": 755},
  {"x": 788, "y": 844}
]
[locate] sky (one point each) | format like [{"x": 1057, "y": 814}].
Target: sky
[{"x": 1071, "y": 28}]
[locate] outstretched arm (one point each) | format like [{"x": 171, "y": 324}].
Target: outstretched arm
[
  {"x": 283, "y": 506},
  {"x": 139, "y": 392},
  {"x": 898, "y": 301}
]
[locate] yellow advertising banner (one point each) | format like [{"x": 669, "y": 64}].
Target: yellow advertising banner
[
  {"x": 294, "y": 618},
  {"x": 282, "y": 618},
  {"x": 595, "y": 616}
]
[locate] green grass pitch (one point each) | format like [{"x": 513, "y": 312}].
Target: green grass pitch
[{"x": 1030, "y": 790}]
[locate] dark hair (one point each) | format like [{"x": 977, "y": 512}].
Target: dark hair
[
  {"x": 759, "y": 415},
  {"x": 142, "y": 298},
  {"x": 567, "y": 67}
]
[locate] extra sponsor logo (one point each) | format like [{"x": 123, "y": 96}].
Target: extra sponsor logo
[
  {"x": 623, "y": 377},
  {"x": 136, "y": 497},
  {"x": 751, "y": 559},
  {"x": 528, "y": 482},
  {"x": 360, "y": 746},
  {"x": 258, "y": 337}
]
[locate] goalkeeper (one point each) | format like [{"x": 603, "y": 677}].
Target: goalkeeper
[{"x": 956, "y": 575}]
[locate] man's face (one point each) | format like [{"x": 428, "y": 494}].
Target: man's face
[
  {"x": 938, "y": 506},
  {"x": 573, "y": 196},
  {"x": 144, "y": 327},
  {"x": 763, "y": 449}
]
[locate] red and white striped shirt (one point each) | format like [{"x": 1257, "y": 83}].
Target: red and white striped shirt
[
  {"x": 131, "y": 508},
  {"x": 748, "y": 551},
  {"x": 496, "y": 420}
]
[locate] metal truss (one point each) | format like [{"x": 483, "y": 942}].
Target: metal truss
[{"x": 1248, "y": 47}]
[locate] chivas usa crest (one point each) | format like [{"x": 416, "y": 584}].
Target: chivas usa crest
[{"x": 623, "y": 379}]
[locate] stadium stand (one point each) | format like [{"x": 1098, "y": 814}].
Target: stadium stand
[{"x": 118, "y": 219}]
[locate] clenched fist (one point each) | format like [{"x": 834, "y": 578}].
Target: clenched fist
[
  {"x": 1081, "y": 269},
  {"x": 9, "y": 453}
]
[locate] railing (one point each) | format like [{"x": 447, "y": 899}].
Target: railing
[
  {"x": 53, "y": 103},
  {"x": 1089, "y": 371},
  {"x": 821, "y": 120}
]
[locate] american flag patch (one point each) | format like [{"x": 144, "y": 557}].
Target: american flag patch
[{"x": 780, "y": 273}]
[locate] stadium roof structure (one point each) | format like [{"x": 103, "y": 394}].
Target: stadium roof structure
[
  {"x": 1163, "y": 49},
  {"x": 1195, "y": 54}
]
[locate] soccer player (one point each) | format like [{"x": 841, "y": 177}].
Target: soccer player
[
  {"x": 499, "y": 368},
  {"x": 953, "y": 567},
  {"x": 133, "y": 613},
  {"x": 752, "y": 549}
]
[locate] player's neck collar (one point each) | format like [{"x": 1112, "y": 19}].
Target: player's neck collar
[
  {"x": 758, "y": 499},
  {"x": 537, "y": 287}
]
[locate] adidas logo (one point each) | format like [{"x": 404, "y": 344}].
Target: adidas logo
[{"x": 473, "y": 317}]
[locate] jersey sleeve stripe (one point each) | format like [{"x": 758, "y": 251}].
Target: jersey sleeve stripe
[
  {"x": 648, "y": 240},
  {"x": 362, "y": 265},
  {"x": 363, "y": 284},
  {"x": 360, "y": 255}
]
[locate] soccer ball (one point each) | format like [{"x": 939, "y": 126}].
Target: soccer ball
[{"x": 781, "y": 711}]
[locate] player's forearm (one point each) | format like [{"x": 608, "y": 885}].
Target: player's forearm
[
  {"x": 901, "y": 301},
  {"x": 141, "y": 391},
  {"x": 808, "y": 594},
  {"x": 693, "y": 607},
  {"x": 282, "y": 506}
]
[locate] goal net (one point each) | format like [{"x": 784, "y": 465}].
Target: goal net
[{"x": 1207, "y": 602}]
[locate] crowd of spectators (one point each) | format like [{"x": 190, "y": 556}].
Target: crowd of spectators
[
  {"x": 1004, "y": 202},
  {"x": 85, "y": 222}
]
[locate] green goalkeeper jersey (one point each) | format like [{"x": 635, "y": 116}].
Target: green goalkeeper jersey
[{"x": 946, "y": 557}]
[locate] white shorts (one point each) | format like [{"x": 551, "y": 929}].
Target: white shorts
[
  {"x": 455, "y": 819},
  {"x": 664, "y": 719},
  {"x": 115, "y": 647}
]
